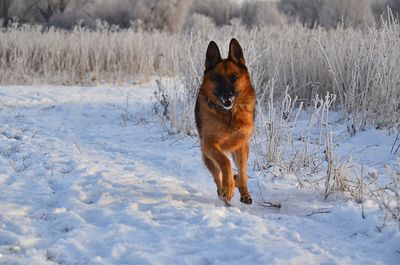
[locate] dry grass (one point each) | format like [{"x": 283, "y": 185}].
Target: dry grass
[
  {"x": 359, "y": 66},
  {"x": 80, "y": 56},
  {"x": 388, "y": 196}
]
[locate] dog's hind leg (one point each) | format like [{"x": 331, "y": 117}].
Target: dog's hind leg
[{"x": 240, "y": 157}]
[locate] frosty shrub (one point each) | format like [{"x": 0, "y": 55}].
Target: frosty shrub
[
  {"x": 221, "y": 12},
  {"x": 388, "y": 196},
  {"x": 69, "y": 19},
  {"x": 167, "y": 15},
  {"x": 261, "y": 13},
  {"x": 115, "y": 12},
  {"x": 198, "y": 22},
  {"x": 328, "y": 13}
]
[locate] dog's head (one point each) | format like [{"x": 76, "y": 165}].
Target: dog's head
[{"x": 225, "y": 79}]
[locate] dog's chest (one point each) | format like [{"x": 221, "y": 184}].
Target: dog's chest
[{"x": 229, "y": 132}]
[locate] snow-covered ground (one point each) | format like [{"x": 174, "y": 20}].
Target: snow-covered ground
[{"x": 84, "y": 181}]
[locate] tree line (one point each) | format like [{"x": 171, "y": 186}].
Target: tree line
[{"x": 177, "y": 15}]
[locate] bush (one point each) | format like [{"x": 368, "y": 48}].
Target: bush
[
  {"x": 388, "y": 9},
  {"x": 221, "y": 12},
  {"x": 70, "y": 19},
  {"x": 115, "y": 12},
  {"x": 394, "y": 5},
  {"x": 169, "y": 15},
  {"x": 328, "y": 13},
  {"x": 198, "y": 22},
  {"x": 259, "y": 13}
]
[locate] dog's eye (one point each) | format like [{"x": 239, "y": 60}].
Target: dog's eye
[{"x": 234, "y": 78}]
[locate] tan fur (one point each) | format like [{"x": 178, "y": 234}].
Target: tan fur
[{"x": 221, "y": 135}]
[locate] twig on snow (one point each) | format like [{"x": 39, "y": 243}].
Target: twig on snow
[
  {"x": 264, "y": 202},
  {"x": 393, "y": 150},
  {"x": 322, "y": 210}
]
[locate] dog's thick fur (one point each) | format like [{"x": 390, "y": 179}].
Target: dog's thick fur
[{"x": 224, "y": 114}]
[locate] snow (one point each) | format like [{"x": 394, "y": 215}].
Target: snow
[{"x": 85, "y": 180}]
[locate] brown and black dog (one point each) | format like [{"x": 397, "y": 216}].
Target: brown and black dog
[{"x": 224, "y": 114}]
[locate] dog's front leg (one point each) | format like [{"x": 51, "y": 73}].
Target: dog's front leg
[
  {"x": 240, "y": 157},
  {"x": 214, "y": 153}
]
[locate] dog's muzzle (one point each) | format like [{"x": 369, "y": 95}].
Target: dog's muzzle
[{"x": 227, "y": 102}]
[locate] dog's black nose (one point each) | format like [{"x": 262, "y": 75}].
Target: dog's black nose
[{"x": 230, "y": 94}]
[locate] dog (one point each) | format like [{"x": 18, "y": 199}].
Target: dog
[{"x": 224, "y": 114}]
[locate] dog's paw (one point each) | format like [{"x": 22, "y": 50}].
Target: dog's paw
[
  {"x": 228, "y": 190},
  {"x": 246, "y": 199}
]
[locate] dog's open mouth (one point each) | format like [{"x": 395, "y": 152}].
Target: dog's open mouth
[{"x": 227, "y": 103}]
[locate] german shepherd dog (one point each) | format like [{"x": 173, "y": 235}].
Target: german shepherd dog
[{"x": 224, "y": 114}]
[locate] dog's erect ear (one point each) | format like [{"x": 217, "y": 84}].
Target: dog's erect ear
[
  {"x": 213, "y": 57},
  {"x": 235, "y": 52}
]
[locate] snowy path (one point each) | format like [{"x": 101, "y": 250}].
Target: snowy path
[{"x": 79, "y": 186}]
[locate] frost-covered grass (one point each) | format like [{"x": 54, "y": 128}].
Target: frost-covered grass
[
  {"x": 88, "y": 177},
  {"x": 359, "y": 66},
  {"x": 81, "y": 56}
]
